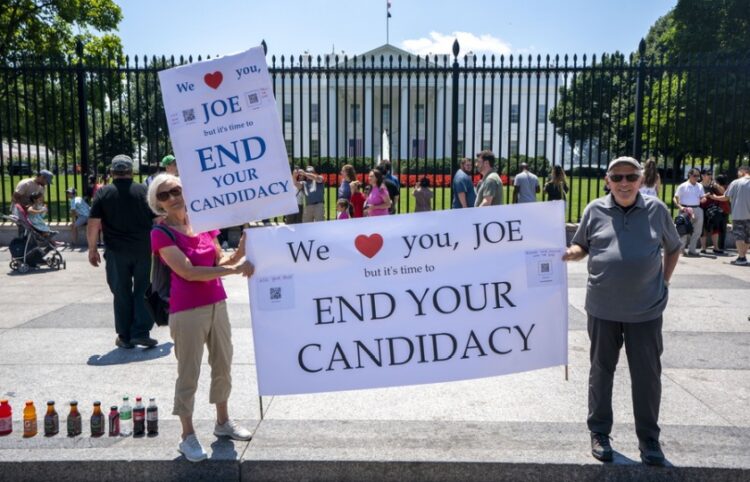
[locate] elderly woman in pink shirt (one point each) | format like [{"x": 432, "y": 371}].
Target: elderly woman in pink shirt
[
  {"x": 197, "y": 310},
  {"x": 378, "y": 201}
]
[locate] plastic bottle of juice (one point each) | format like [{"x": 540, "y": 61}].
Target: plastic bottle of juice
[
  {"x": 74, "y": 420},
  {"x": 6, "y": 417},
  {"x": 126, "y": 417},
  {"x": 114, "y": 421},
  {"x": 97, "y": 420},
  {"x": 51, "y": 420},
  {"x": 29, "y": 419}
]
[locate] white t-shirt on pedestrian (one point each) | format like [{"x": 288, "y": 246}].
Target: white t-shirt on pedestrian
[{"x": 690, "y": 194}]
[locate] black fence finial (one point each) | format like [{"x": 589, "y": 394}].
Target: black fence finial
[
  {"x": 642, "y": 47},
  {"x": 265, "y": 47},
  {"x": 456, "y": 48}
]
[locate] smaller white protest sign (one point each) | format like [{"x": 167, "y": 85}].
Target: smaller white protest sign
[{"x": 226, "y": 135}]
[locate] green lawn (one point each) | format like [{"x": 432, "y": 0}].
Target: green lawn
[{"x": 581, "y": 190}]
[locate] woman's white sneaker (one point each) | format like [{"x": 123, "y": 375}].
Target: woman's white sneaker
[
  {"x": 232, "y": 430},
  {"x": 192, "y": 449}
]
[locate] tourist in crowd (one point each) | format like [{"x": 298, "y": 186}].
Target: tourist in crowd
[
  {"x": 36, "y": 212},
  {"x": 712, "y": 212},
  {"x": 391, "y": 184},
  {"x": 197, "y": 310},
  {"x": 357, "y": 199},
  {"x": 312, "y": 185},
  {"x": 688, "y": 198},
  {"x": 526, "y": 185},
  {"x": 298, "y": 178},
  {"x": 348, "y": 176},
  {"x": 121, "y": 211},
  {"x": 651, "y": 180},
  {"x": 738, "y": 195},
  {"x": 79, "y": 213},
  {"x": 378, "y": 200},
  {"x": 490, "y": 188},
  {"x": 169, "y": 164},
  {"x": 26, "y": 187},
  {"x": 464, "y": 195},
  {"x": 556, "y": 188},
  {"x": 633, "y": 248},
  {"x": 344, "y": 209},
  {"x": 423, "y": 196},
  {"x": 723, "y": 181}
]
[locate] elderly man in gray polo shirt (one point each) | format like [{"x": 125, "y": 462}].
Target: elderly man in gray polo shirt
[{"x": 633, "y": 248}]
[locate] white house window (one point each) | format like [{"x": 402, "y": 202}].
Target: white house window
[
  {"x": 288, "y": 112},
  {"x": 487, "y": 113},
  {"x": 514, "y": 114},
  {"x": 314, "y": 113},
  {"x": 541, "y": 114},
  {"x": 354, "y": 112}
]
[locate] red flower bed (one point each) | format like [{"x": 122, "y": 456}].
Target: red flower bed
[{"x": 409, "y": 180}]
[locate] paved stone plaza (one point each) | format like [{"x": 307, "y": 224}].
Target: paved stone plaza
[{"x": 57, "y": 342}]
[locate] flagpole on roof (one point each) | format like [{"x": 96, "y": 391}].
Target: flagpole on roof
[{"x": 387, "y": 21}]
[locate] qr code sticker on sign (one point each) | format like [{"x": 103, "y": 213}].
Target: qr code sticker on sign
[
  {"x": 544, "y": 267},
  {"x": 253, "y": 98},
  {"x": 274, "y": 292},
  {"x": 188, "y": 116}
]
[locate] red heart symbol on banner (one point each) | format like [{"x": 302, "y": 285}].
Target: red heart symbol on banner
[
  {"x": 368, "y": 245},
  {"x": 213, "y": 80}
]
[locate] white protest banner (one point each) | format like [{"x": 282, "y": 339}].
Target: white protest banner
[
  {"x": 408, "y": 299},
  {"x": 227, "y": 139}
]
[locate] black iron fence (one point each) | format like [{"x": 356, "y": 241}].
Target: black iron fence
[{"x": 421, "y": 113}]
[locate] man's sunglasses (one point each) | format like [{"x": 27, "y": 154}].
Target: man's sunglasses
[
  {"x": 164, "y": 195},
  {"x": 620, "y": 177}
]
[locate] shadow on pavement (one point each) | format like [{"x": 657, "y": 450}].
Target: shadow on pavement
[
  {"x": 120, "y": 356},
  {"x": 223, "y": 449}
]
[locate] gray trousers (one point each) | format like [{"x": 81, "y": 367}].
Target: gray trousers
[
  {"x": 691, "y": 242},
  {"x": 643, "y": 346}
]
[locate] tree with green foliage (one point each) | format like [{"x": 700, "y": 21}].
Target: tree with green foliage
[
  {"x": 39, "y": 106},
  {"x": 696, "y": 89},
  {"x": 49, "y": 30}
]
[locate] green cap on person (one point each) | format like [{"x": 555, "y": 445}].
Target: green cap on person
[{"x": 167, "y": 160}]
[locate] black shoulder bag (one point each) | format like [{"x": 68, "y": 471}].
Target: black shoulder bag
[{"x": 157, "y": 293}]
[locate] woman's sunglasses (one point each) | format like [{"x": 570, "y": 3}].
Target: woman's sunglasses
[
  {"x": 620, "y": 177},
  {"x": 164, "y": 195}
]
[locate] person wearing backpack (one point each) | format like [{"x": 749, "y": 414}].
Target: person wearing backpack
[{"x": 197, "y": 310}]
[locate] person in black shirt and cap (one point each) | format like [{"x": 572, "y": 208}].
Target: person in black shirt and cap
[{"x": 121, "y": 210}]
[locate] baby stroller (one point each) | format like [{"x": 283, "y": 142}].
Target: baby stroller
[{"x": 33, "y": 248}]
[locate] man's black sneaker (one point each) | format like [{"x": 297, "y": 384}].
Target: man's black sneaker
[
  {"x": 651, "y": 453},
  {"x": 600, "y": 447},
  {"x": 719, "y": 252},
  {"x": 147, "y": 342},
  {"x": 739, "y": 261},
  {"x": 122, "y": 343}
]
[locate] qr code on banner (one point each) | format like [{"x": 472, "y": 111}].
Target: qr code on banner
[
  {"x": 188, "y": 115},
  {"x": 276, "y": 293},
  {"x": 544, "y": 268},
  {"x": 253, "y": 98}
]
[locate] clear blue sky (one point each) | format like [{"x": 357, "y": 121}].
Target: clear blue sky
[{"x": 166, "y": 27}]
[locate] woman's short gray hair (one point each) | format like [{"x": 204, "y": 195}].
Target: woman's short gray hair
[{"x": 153, "y": 188}]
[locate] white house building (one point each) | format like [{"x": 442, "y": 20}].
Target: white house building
[{"x": 342, "y": 111}]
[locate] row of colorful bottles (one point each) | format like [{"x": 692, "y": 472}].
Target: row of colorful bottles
[{"x": 145, "y": 420}]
